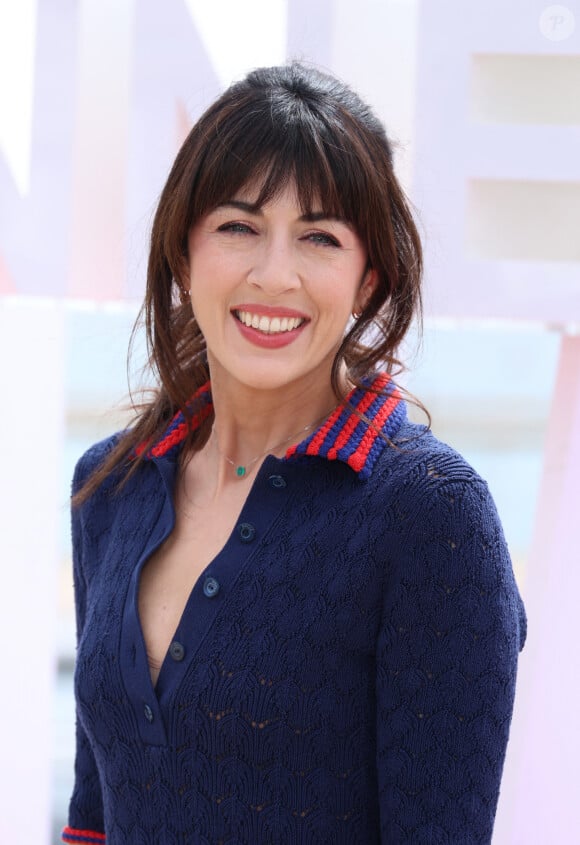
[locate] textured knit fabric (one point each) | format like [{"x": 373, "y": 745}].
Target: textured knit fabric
[{"x": 343, "y": 671}]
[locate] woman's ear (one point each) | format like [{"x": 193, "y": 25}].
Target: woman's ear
[
  {"x": 182, "y": 279},
  {"x": 366, "y": 290}
]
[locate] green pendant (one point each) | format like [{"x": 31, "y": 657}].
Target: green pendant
[{"x": 240, "y": 471}]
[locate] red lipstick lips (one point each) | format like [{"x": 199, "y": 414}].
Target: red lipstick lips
[{"x": 265, "y": 338}]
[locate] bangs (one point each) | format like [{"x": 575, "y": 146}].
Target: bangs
[{"x": 278, "y": 143}]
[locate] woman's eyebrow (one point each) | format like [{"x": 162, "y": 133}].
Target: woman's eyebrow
[
  {"x": 248, "y": 207},
  {"x": 310, "y": 217},
  {"x": 315, "y": 216}
]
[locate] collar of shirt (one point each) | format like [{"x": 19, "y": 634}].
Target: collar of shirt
[{"x": 342, "y": 437}]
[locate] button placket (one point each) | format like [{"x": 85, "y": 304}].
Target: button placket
[
  {"x": 268, "y": 495},
  {"x": 135, "y": 669}
]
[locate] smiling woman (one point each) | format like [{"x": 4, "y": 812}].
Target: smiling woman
[{"x": 297, "y": 616}]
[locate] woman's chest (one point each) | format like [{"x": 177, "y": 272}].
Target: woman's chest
[
  {"x": 171, "y": 573},
  {"x": 293, "y": 591}
]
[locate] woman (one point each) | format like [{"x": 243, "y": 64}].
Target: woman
[{"x": 297, "y": 616}]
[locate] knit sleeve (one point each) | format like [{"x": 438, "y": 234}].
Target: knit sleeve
[
  {"x": 85, "y": 809},
  {"x": 452, "y": 626}
]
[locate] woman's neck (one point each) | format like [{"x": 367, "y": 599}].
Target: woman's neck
[{"x": 250, "y": 424}]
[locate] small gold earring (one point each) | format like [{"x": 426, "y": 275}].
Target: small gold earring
[
  {"x": 356, "y": 314},
  {"x": 184, "y": 295}
]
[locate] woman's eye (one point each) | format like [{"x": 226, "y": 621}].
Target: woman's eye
[
  {"x": 322, "y": 238},
  {"x": 236, "y": 228}
]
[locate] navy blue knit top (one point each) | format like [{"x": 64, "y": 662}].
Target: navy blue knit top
[{"x": 344, "y": 668}]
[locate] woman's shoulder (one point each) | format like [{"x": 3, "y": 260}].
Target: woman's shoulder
[
  {"x": 93, "y": 458},
  {"x": 431, "y": 485},
  {"x": 416, "y": 454}
]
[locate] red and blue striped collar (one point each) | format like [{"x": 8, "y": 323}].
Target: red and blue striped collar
[{"x": 343, "y": 436}]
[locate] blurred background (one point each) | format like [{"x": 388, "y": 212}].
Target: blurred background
[{"x": 482, "y": 102}]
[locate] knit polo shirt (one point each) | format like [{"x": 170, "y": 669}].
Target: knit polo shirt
[{"x": 344, "y": 669}]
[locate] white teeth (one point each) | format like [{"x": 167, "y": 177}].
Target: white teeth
[{"x": 268, "y": 325}]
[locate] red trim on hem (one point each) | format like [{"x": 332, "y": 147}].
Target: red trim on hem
[{"x": 72, "y": 834}]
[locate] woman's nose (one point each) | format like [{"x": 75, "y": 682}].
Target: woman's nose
[{"x": 274, "y": 269}]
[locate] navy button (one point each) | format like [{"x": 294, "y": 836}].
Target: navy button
[
  {"x": 176, "y": 651},
  {"x": 247, "y": 532},
  {"x": 148, "y": 713},
  {"x": 276, "y": 481},
  {"x": 210, "y": 587}
]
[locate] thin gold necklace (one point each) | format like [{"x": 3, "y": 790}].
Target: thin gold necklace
[{"x": 242, "y": 469}]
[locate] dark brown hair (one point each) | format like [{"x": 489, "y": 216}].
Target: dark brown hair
[{"x": 278, "y": 125}]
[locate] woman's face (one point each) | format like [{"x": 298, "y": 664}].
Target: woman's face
[{"x": 272, "y": 290}]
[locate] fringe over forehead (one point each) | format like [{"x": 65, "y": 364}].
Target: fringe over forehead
[{"x": 284, "y": 125}]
